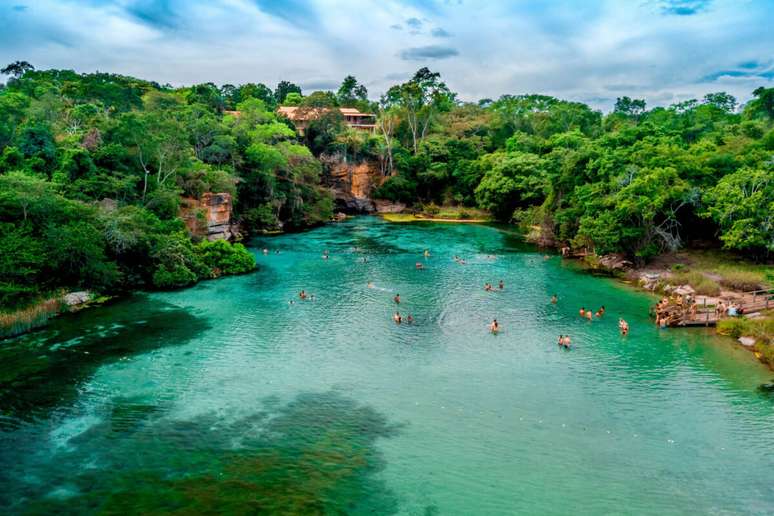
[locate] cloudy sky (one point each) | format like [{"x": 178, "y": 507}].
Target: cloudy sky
[{"x": 593, "y": 51}]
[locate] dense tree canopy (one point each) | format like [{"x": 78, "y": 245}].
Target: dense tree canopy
[{"x": 93, "y": 168}]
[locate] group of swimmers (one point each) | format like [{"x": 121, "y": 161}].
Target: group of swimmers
[
  {"x": 459, "y": 260},
  {"x": 588, "y": 313},
  {"x": 564, "y": 341},
  {"x": 399, "y": 318},
  {"x": 489, "y": 288}
]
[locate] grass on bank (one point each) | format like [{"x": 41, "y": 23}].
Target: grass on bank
[
  {"x": 761, "y": 329},
  {"x": 709, "y": 271},
  {"x": 440, "y": 213}
]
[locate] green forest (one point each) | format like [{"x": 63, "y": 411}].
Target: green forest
[{"x": 93, "y": 168}]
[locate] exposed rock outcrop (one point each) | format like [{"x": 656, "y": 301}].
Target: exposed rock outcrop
[
  {"x": 210, "y": 216},
  {"x": 383, "y": 206},
  {"x": 351, "y": 183},
  {"x": 75, "y": 300}
]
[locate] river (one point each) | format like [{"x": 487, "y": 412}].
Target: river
[{"x": 228, "y": 398}]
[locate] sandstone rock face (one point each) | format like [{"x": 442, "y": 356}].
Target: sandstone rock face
[
  {"x": 210, "y": 216},
  {"x": 389, "y": 206},
  {"x": 352, "y": 183}
]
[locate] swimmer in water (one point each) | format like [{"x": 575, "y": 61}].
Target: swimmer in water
[
  {"x": 554, "y": 299},
  {"x": 623, "y": 326},
  {"x": 601, "y": 311},
  {"x": 502, "y": 285},
  {"x": 561, "y": 341},
  {"x": 396, "y": 299},
  {"x": 589, "y": 316},
  {"x": 419, "y": 266},
  {"x": 370, "y": 284},
  {"x": 397, "y": 318},
  {"x": 410, "y": 319},
  {"x": 427, "y": 253},
  {"x": 495, "y": 326},
  {"x": 487, "y": 287},
  {"x": 583, "y": 311},
  {"x": 566, "y": 342},
  {"x": 303, "y": 294},
  {"x": 265, "y": 251}
]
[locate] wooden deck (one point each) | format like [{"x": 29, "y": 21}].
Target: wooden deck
[{"x": 747, "y": 302}]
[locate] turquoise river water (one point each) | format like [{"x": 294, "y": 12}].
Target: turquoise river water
[{"x": 226, "y": 398}]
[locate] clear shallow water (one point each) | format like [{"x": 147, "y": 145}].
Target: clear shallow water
[{"x": 226, "y": 398}]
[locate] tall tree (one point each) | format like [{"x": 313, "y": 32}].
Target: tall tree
[
  {"x": 17, "y": 69},
  {"x": 629, "y": 107},
  {"x": 282, "y": 90},
  {"x": 421, "y": 99},
  {"x": 351, "y": 92}
]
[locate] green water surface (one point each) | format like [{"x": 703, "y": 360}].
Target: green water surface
[{"x": 227, "y": 398}]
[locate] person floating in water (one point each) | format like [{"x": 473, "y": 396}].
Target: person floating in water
[
  {"x": 561, "y": 340},
  {"x": 589, "y": 316},
  {"x": 427, "y": 253},
  {"x": 396, "y": 299},
  {"x": 410, "y": 319},
  {"x": 419, "y": 266},
  {"x": 554, "y": 299},
  {"x": 502, "y": 285},
  {"x": 623, "y": 326},
  {"x": 601, "y": 311},
  {"x": 583, "y": 311},
  {"x": 494, "y": 327},
  {"x": 487, "y": 287},
  {"x": 302, "y": 294},
  {"x": 566, "y": 342},
  {"x": 397, "y": 318},
  {"x": 370, "y": 284}
]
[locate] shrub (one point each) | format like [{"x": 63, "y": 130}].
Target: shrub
[
  {"x": 175, "y": 277},
  {"x": 678, "y": 267},
  {"x": 225, "y": 258},
  {"x": 734, "y": 327},
  {"x": 766, "y": 351}
]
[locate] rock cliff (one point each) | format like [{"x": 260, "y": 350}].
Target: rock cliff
[
  {"x": 210, "y": 216},
  {"x": 351, "y": 183}
]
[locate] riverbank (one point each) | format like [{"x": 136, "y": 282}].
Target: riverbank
[
  {"x": 38, "y": 314},
  {"x": 710, "y": 277}
]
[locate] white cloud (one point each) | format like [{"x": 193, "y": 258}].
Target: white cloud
[{"x": 589, "y": 51}]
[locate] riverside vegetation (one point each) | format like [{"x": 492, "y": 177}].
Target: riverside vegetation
[{"x": 93, "y": 166}]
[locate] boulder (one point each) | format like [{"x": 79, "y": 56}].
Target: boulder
[
  {"x": 383, "y": 206},
  {"x": 685, "y": 290},
  {"x": 75, "y": 299},
  {"x": 614, "y": 262},
  {"x": 747, "y": 341}
]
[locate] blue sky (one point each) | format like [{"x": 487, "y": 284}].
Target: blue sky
[{"x": 594, "y": 51}]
